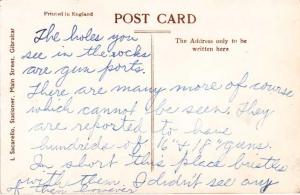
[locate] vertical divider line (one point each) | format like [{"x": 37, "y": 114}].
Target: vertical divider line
[
  {"x": 1, "y": 113},
  {"x": 152, "y": 103}
]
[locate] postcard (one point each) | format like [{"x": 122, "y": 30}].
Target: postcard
[{"x": 153, "y": 97}]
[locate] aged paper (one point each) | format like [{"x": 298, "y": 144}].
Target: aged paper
[{"x": 140, "y": 96}]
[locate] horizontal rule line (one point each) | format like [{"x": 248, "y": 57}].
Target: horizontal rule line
[{"x": 152, "y": 31}]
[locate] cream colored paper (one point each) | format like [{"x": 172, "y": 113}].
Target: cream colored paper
[{"x": 150, "y": 96}]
